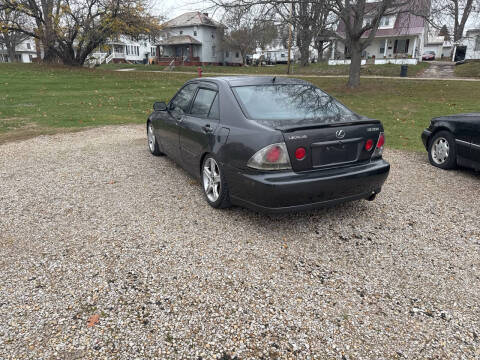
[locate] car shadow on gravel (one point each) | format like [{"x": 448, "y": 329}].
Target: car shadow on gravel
[{"x": 360, "y": 209}]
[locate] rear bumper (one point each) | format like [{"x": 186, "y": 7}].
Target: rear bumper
[
  {"x": 290, "y": 191},
  {"x": 425, "y": 137}
]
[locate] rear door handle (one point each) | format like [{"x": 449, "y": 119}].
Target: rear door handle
[{"x": 207, "y": 129}]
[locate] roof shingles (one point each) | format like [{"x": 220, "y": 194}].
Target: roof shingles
[{"x": 194, "y": 18}]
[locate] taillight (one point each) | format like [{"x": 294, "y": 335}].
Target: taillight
[
  {"x": 381, "y": 141},
  {"x": 300, "y": 153},
  {"x": 369, "y": 145},
  {"x": 273, "y": 154},
  {"x": 379, "y": 149},
  {"x": 271, "y": 157}
]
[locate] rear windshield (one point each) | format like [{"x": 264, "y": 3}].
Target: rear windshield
[{"x": 291, "y": 104}]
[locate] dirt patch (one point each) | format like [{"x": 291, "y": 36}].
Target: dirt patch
[
  {"x": 439, "y": 70},
  {"x": 32, "y": 130}
]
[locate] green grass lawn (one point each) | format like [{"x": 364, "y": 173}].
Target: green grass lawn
[
  {"x": 468, "y": 70},
  {"x": 37, "y": 99},
  {"x": 312, "y": 69}
]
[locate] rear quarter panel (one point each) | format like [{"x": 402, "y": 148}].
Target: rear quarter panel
[{"x": 245, "y": 137}]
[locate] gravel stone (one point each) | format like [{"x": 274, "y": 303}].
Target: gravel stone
[{"x": 92, "y": 225}]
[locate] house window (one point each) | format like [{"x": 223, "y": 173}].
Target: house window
[
  {"x": 382, "y": 49},
  {"x": 127, "y": 50},
  {"x": 477, "y": 43},
  {"x": 194, "y": 32},
  {"x": 227, "y": 54},
  {"x": 30, "y": 57},
  {"x": 237, "y": 54},
  {"x": 214, "y": 50},
  {"x": 181, "y": 32},
  {"x": 401, "y": 46},
  {"x": 213, "y": 35},
  {"x": 385, "y": 21},
  {"x": 153, "y": 51},
  {"x": 28, "y": 46}
]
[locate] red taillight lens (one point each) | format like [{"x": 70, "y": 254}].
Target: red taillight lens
[
  {"x": 369, "y": 145},
  {"x": 381, "y": 141},
  {"x": 273, "y": 155},
  {"x": 300, "y": 153}
]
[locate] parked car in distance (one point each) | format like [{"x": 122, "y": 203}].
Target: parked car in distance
[
  {"x": 452, "y": 140},
  {"x": 269, "y": 144},
  {"x": 428, "y": 55}
]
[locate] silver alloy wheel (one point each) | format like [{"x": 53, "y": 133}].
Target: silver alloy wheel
[
  {"x": 151, "y": 138},
  {"x": 211, "y": 179},
  {"x": 440, "y": 151}
]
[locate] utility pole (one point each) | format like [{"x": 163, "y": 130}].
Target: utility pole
[{"x": 290, "y": 39}]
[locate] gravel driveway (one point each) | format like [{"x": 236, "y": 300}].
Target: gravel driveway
[{"x": 109, "y": 252}]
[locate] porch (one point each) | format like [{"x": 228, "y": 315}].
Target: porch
[
  {"x": 400, "y": 50},
  {"x": 179, "y": 50},
  {"x": 177, "y": 60}
]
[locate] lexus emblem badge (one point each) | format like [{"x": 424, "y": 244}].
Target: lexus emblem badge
[{"x": 340, "y": 134}]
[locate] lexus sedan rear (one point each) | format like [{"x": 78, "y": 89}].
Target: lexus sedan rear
[{"x": 269, "y": 144}]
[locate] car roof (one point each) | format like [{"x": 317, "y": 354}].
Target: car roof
[
  {"x": 244, "y": 80},
  {"x": 469, "y": 118}
]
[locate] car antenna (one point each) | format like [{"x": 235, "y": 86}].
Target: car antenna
[{"x": 273, "y": 80}]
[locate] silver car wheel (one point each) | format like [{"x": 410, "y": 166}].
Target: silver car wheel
[
  {"x": 211, "y": 179},
  {"x": 440, "y": 151},
  {"x": 151, "y": 138}
]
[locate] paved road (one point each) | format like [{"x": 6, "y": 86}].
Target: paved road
[{"x": 109, "y": 252}]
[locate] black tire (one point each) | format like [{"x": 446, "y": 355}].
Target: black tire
[
  {"x": 152, "y": 141},
  {"x": 442, "y": 162},
  {"x": 223, "y": 200}
]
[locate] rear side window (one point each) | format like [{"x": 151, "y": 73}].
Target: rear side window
[
  {"x": 181, "y": 102},
  {"x": 215, "y": 109},
  {"x": 203, "y": 102}
]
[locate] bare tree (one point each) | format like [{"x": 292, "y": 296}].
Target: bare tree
[
  {"x": 306, "y": 16},
  {"x": 8, "y": 37},
  {"x": 361, "y": 21},
  {"x": 71, "y": 29},
  {"x": 310, "y": 20},
  {"x": 455, "y": 13},
  {"x": 265, "y": 32},
  {"x": 247, "y": 30},
  {"x": 324, "y": 31},
  {"x": 239, "y": 33}
]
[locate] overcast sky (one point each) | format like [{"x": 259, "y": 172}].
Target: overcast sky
[{"x": 173, "y": 8}]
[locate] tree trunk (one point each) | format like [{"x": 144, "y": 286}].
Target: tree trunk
[
  {"x": 304, "y": 40},
  {"x": 50, "y": 55},
  {"x": 355, "y": 66},
  {"x": 11, "y": 52},
  {"x": 320, "y": 50},
  {"x": 38, "y": 49},
  {"x": 304, "y": 54}
]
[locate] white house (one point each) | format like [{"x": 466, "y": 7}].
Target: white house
[
  {"x": 25, "y": 52},
  {"x": 194, "y": 38},
  {"x": 125, "y": 49},
  {"x": 438, "y": 44},
  {"x": 469, "y": 46},
  {"x": 400, "y": 39}
]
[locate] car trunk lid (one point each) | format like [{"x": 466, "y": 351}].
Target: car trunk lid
[{"x": 331, "y": 145}]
